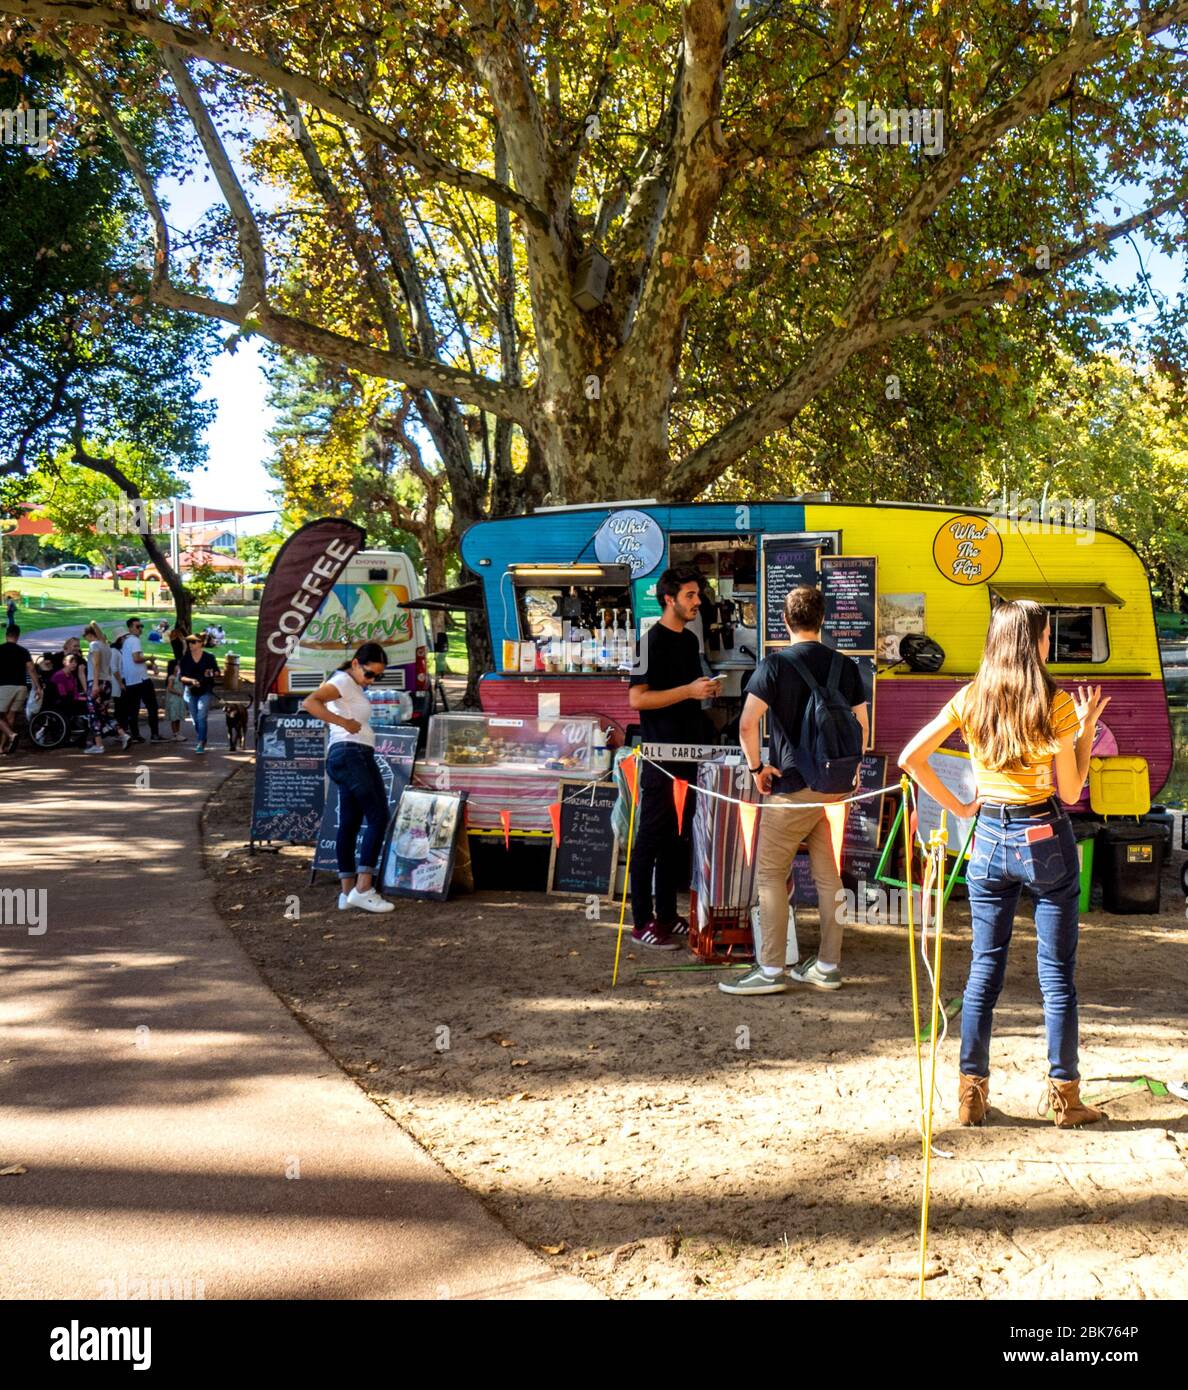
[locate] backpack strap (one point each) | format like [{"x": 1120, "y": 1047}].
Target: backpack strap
[
  {"x": 833, "y": 679},
  {"x": 803, "y": 671}
]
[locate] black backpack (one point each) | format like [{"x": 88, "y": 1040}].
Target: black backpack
[{"x": 830, "y": 748}]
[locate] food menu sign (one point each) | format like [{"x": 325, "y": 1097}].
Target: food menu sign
[
  {"x": 786, "y": 566},
  {"x": 288, "y": 796},
  {"x": 848, "y": 583}
]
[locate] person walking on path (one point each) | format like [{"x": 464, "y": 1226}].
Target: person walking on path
[
  {"x": 667, "y": 688},
  {"x": 100, "y": 659},
  {"x": 197, "y": 671},
  {"x": 800, "y": 688},
  {"x": 17, "y": 673},
  {"x": 1030, "y": 744},
  {"x": 175, "y": 699},
  {"x": 10, "y": 610},
  {"x": 138, "y": 687},
  {"x": 341, "y": 702}
]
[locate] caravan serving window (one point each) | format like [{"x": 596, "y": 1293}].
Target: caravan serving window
[{"x": 1078, "y": 634}]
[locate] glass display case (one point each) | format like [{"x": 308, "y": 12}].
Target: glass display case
[{"x": 573, "y": 745}]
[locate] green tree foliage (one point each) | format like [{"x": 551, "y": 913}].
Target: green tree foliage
[{"x": 442, "y": 174}]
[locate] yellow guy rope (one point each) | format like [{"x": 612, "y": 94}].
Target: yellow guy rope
[
  {"x": 626, "y": 870},
  {"x": 907, "y": 860},
  {"x": 936, "y": 849}
]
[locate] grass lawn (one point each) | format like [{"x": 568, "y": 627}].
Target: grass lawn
[{"x": 75, "y": 602}]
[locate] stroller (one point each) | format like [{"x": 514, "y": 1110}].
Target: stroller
[{"x": 58, "y": 721}]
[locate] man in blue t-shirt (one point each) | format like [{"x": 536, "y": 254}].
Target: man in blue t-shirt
[{"x": 779, "y": 691}]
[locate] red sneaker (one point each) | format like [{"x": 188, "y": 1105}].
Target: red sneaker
[{"x": 655, "y": 936}]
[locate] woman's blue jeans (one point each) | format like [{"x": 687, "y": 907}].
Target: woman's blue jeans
[
  {"x": 198, "y": 705},
  {"x": 1003, "y": 863},
  {"x": 361, "y": 797}
]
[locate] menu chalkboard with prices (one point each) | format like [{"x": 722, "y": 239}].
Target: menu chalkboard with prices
[
  {"x": 785, "y": 567},
  {"x": 584, "y": 861},
  {"x": 395, "y": 753},
  {"x": 864, "y": 817},
  {"x": 848, "y": 583},
  {"x": 289, "y": 795}
]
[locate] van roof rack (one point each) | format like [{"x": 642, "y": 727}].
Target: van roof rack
[{"x": 598, "y": 506}]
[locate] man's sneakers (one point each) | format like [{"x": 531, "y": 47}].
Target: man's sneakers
[
  {"x": 344, "y": 901},
  {"x": 810, "y": 973},
  {"x": 1178, "y": 1089},
  {"x": 755, "y": 982},
  {"x": 369, "y": 901},
  {"x": 656, "y": 937}
]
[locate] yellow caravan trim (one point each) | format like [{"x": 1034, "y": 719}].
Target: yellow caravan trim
[
  {"x": 1061, "y": 595},
  {"x": 1036, "y": 559}
]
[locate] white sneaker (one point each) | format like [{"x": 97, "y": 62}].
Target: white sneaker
[
  {"x": 1178, "y": 1089},
  {"x": 344, "y": 901},
  {"x": 369, "y": 901},
  {"x": 125, "y": 740},
  {"x": 91, "y": 748}
]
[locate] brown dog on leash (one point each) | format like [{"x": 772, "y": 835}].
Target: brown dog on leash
[{"x": 236, "y": 725}]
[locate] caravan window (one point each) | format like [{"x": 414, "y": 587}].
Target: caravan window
[{"x": 1078, "y": 634}]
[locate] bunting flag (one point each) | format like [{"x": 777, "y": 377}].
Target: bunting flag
[
  {"x": 748, "y": 814},
  {"x": 836, "y": 816},
  {"x": 679, "y": 789},
  {"x": 555, "y": 817},
  {"x": 631, "y": 772},
  {"x": 505, "y": 817}
]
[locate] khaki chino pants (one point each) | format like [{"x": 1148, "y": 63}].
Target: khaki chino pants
[{"x": 781, "y": 834}]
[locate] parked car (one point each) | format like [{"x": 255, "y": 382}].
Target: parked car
[
  {"x": 67, "y": 572},
  {"x": 130, "y": 572},
  {"x": 256, "y": 579},
  {"x": 27, "y": 572}
]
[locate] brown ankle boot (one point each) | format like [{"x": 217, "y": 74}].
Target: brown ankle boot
[
  {"x": 973, "y": 1099},
  {"x": 1065, "y": 1099}
]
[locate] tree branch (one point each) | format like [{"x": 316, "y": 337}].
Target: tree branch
[{"x": 164, "y": 34}]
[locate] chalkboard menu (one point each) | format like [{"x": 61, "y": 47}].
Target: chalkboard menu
[
  {"x": 395, "y": 753},
  {"x": 862, "y": 822},
  {"x": 848, "y": 584},
  {"x": 585, "y": 859},
  {"x": 786, "y": 566},
  {"x": 289, "y": 789}
]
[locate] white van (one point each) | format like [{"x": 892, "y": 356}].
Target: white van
[{"x": 365, "y": 606}]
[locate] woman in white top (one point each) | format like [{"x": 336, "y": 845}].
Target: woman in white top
[
  {"x": 101, "y": 680},
  {"x": 350, "y": 762}
]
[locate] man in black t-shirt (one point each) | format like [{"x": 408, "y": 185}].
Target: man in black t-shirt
[
  {"x": 778, "y": 690},
  {"x": 667, "y": 688}
]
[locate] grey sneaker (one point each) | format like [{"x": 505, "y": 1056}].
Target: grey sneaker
[
  {"x": 754, "y": 982},
  {"x": 810, "y": 973}
]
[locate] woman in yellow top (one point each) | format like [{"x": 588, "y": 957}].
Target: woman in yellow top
[{"x": 1029, "y": 743}]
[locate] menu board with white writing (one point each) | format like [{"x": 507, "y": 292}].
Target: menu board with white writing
[
  {"x": 288, "y": 796},
  {"x": 848, "y": 584},
  {"x": 785, "y": 567},
  {"x": 585, "y": 858}
]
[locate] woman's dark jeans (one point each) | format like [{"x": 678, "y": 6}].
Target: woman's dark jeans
[
  {"x": 1002, "y": 863},
  {"x": 361, "y": 796}
]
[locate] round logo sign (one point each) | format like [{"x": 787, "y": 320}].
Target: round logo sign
[
  {"x": 967, "y": 550},
  {"x": 630, "y": 538}
]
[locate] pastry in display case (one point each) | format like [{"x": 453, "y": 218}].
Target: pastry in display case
[{"x": 569, "y": 745}]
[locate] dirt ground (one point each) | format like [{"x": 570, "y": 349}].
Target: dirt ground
[{"x": 665, "y": 1140}]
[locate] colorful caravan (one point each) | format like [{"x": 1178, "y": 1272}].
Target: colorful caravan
[{"x": 569, "y": 590}]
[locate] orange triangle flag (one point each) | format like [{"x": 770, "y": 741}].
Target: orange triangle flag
[
  {"x": 555, "y": 817},
  {"x": 836, "y": 816},
  {"x": 631, "y": 772},
  {"x": 748, "y": 813},
  {"x": 505, "y": 817},
  {"x": 679, "y": 790}
]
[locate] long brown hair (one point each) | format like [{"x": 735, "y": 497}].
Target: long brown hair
[{"x": 1008, "y": 710}]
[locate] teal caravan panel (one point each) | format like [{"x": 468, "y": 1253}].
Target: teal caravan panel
[{"x": 567, "y": 537}]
